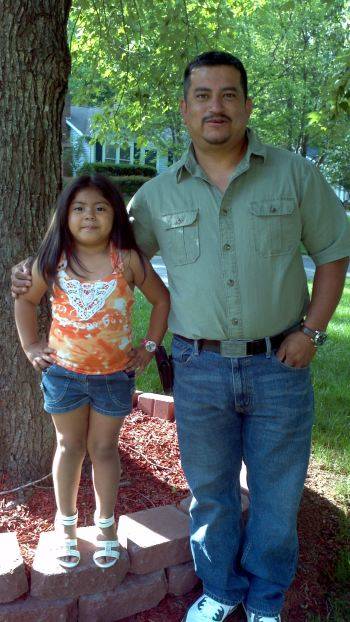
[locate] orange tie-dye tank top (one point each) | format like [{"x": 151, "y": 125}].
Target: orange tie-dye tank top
[{"x": 91, "y": 321}]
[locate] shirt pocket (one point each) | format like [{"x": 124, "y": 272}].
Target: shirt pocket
[
  {"x": 276, "y": 226},
  {"x": 180, "y": 237}
]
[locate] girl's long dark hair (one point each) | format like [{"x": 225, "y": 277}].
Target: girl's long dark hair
[{"x": 58, "y": 239}]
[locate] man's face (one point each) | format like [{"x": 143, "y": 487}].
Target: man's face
[{"x": 215, "y": 111}]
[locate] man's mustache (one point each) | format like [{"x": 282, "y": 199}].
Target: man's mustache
[{"x": 216, "y": 117}]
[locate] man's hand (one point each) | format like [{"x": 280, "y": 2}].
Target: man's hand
[
  {"x": 21, "y": 277},
  {"x": 139, "y": 359},
  {"x": 296, "y": 350},
  {"x": 39, "y": 354}
]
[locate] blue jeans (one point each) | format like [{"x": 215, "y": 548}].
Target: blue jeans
[{"x": 259, "y": 410}]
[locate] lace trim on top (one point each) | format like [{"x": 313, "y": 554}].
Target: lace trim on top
[{"x": 87, "y": 297}]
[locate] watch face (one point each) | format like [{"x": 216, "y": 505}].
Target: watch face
[
  {"x": 150, "y": 346},
  {"x": 320, "y": 338}
]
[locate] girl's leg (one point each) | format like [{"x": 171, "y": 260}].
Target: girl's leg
[
  {"x": 71, "y": 433},
  {"x": 102, "y": 444}
]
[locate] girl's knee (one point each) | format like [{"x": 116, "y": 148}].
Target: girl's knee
[
  {"x": 76, "y": 446},
  {"x": 103, "y": 451}
]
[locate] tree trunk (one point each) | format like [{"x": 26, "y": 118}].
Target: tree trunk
[{"x": 34, "y": 69}]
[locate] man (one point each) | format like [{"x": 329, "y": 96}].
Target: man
[{"x": 228, "y": 219}]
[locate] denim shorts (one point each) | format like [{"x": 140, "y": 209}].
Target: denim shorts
[{"x": 108, "y": 394}]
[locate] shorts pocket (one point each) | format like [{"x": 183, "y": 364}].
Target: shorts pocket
[
  {"x": 180, "y": 237},
  {"x": 54, "y": 384},
  {"x": 276, "y": 226},
  {"x": 120, "y": 388}
]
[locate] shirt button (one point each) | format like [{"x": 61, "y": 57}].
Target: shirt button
[
  {"x": 272, "y": 210},
  {"x": 227, "y": 247},
  {"x": 225, "y": 211},
  {"x": 234, "y": 321},
  {"x": 230, "y": 282},
  {"x": 179, "y": 221}
]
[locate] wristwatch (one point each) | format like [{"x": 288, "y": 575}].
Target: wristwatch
[
  {"x": 318, "y": 337},
  {"x": 150, "y": 345}
]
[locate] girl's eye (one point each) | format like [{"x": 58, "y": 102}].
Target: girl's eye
[{"x": 77, "y": 208}]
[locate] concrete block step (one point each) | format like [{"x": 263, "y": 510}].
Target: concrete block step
[
  {"x": 13, "y": 579},
  {"x": 136, "y": 593},
  {"x": 36, "y": 610},
  {"x": 155, "y": 538},
  {"x": 49, "y": 579}
]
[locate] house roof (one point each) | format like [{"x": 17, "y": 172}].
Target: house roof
[{"x": 81, "y": 116}]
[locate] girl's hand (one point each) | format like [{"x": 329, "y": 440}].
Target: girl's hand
[
  {"x": 39, "y": 355},
  {"x": 139, "y": 359}
]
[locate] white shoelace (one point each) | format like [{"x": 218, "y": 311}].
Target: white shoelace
[{"x": 213, "y": 611}]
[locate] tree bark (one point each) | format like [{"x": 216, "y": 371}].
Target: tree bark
[{"x": 34, "y": 69}]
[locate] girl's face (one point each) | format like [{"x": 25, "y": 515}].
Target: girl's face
[{"x": 90, "y": 218}]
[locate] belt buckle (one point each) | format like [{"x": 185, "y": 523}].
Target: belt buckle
[{"x": 234, "y": 348}]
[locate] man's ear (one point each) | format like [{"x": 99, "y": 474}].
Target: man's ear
[
  {"x": 249, "y": 105},
  {"x": 183, "y": 107}
]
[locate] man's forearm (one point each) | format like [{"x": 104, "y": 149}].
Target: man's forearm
[{"x": 326, "y": 292}]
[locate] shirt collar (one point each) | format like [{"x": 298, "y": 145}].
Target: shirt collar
[{"x": 189, "y": 164}]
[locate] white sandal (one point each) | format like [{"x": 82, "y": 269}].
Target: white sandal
[
  {"x": 108, "y": 547},
  {"x": 68, "y": 546}
]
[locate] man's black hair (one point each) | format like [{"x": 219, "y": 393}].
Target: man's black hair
[{"x": 212, "y": 59}]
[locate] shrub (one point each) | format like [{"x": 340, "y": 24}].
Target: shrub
[
  {"x": 129, "y": 184},
  {"x": 117, "y": 170}
]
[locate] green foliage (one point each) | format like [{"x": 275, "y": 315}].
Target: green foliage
[
  {"x": 130, "y": 184},
  {"x": 124, "y": 170},
  {"x": 129, "y": 59}
]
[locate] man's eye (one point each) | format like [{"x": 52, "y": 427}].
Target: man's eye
[
  {"x": 202, "y": 95},
  {"x": 230, "y": 95}
]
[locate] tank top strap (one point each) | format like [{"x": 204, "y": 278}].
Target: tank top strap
[
  {"x": 62, "y": 264},
  {"x": 116, "y": 260}
]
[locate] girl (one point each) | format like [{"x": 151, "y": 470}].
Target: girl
[{"x": 91, "y": 260}]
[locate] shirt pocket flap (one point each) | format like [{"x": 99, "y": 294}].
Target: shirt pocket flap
[
  {"x": 278, "y": 207},
  {"x": 180, "y": 219}
]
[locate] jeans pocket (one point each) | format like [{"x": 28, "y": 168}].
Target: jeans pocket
[
  {"x": 289, "y": 367},
  {"x": 182, "y": 352}
]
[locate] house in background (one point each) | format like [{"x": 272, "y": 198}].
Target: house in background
[{"x": 78, "y": 124}]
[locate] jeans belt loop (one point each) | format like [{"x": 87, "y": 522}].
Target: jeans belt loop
[
  {"x": 268, "y": 347},
  {"x": 196, "y": 347}
]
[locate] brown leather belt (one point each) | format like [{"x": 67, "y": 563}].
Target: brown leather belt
[{"x": 238, "y": 347}]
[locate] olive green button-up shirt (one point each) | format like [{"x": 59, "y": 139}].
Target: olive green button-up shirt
[{"x": 234, "y": 264}]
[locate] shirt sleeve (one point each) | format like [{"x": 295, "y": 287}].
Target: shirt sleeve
[
  {"x": 141, "y": 219},
  {"x": 325, "y": 229}
]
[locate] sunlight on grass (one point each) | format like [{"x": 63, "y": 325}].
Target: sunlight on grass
[{"x": 331, "y": 374}]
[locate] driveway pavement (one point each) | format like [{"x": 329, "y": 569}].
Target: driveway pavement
[{"x": 160, "y": 268}]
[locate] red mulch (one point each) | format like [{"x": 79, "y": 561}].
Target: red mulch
[{"x": 152, "y": 476}]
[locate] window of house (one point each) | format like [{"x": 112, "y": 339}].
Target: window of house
[
  {"x": 137, "y": 153},
  {"x": 110, "y": 153},
  {"x": 151, "y": 157},
  {"x": 170, "y": 157},
  {"x": 124, "y": 154}
]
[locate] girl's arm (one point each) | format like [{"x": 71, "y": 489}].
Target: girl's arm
[
  {"x": 35, "y": 349},
  {"x": 153, "y": 288}
]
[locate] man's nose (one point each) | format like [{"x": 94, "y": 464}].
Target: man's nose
[{"x": 216, "y": 104}]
